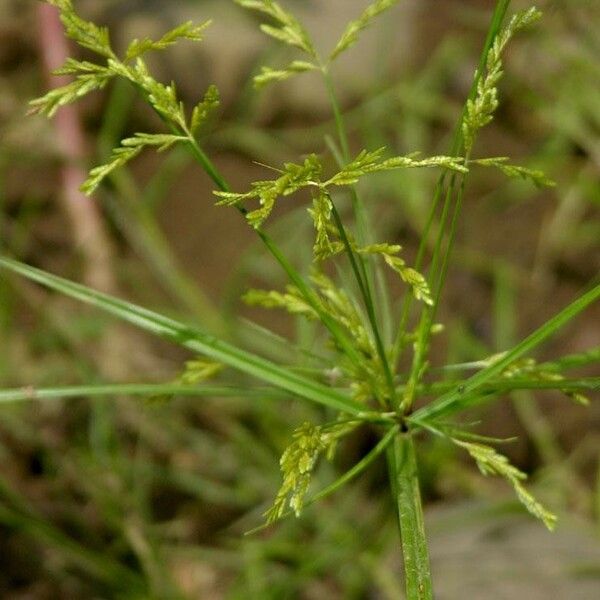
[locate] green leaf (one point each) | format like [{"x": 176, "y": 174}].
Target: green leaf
[
  {"x": 193, "y": 339},
  {"x": 31, "y": 393},
  {"x": 350, "y": 35},
  {"x": 187, "y": 31},
  {"x": 463, "y": 396}
]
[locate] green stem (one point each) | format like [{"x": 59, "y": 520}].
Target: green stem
[
  {"x": 207, "y": 164},
  {"x": 337, "y": 114},
  {"x": 363, "y": 285},
  {"x": 429, "y": 312},
  {"x": 438, "y": 273},
  {"x": 308, "y": 294},
  {"x": 410, "y": 518},
  {"x": 212, "y": 171},
  {"x": 358, "y": 207},
  {"x": 456, "y": 148},
  {"x": 31, "y": 393}
]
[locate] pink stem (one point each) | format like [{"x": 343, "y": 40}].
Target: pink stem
[{"x": 89, "y": 232}]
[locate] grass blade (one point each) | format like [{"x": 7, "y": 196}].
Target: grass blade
[
  {"x": 192, "y": 339},
  {"x": 25, "y": 394},
  {"x": 458, "y": 400}
]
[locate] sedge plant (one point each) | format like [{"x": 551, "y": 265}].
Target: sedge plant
[{"x": 358, "y": 375}]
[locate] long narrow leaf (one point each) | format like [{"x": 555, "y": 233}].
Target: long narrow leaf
[
  {"x": 192, "y": 339},
  {"x": 460, "y": 398},
  {"x": 24, "y": 394}
]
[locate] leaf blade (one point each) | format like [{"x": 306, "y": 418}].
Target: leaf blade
[
  {"x": 455, "y": 400},
  {"x": 192, "y": 339}
]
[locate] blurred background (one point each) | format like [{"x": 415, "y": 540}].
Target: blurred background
[{"x": 125, "y": 498}]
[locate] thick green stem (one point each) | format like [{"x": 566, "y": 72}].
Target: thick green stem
[{"x": 405, "y": 486}]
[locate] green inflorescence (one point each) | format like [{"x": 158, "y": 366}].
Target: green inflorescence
[{"x": 363, "y": 360}]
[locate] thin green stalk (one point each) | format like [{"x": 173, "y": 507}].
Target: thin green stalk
[
  {"x": 582, "y": 385},
  {"x": 358, "y": 207},
  {"x": 457, "y": 142},
  {"x": 400, "y": 342},
  {"x": 410, "y": 518},
  {"x": 428, "y": 314},
  {"x": 212, "y": 171},
  {"x": 368, "y": 302},
  {"x": 337, "y": 114},
  {"x": 565, "y": 363},
  {"x": 207, "y": 164}
]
